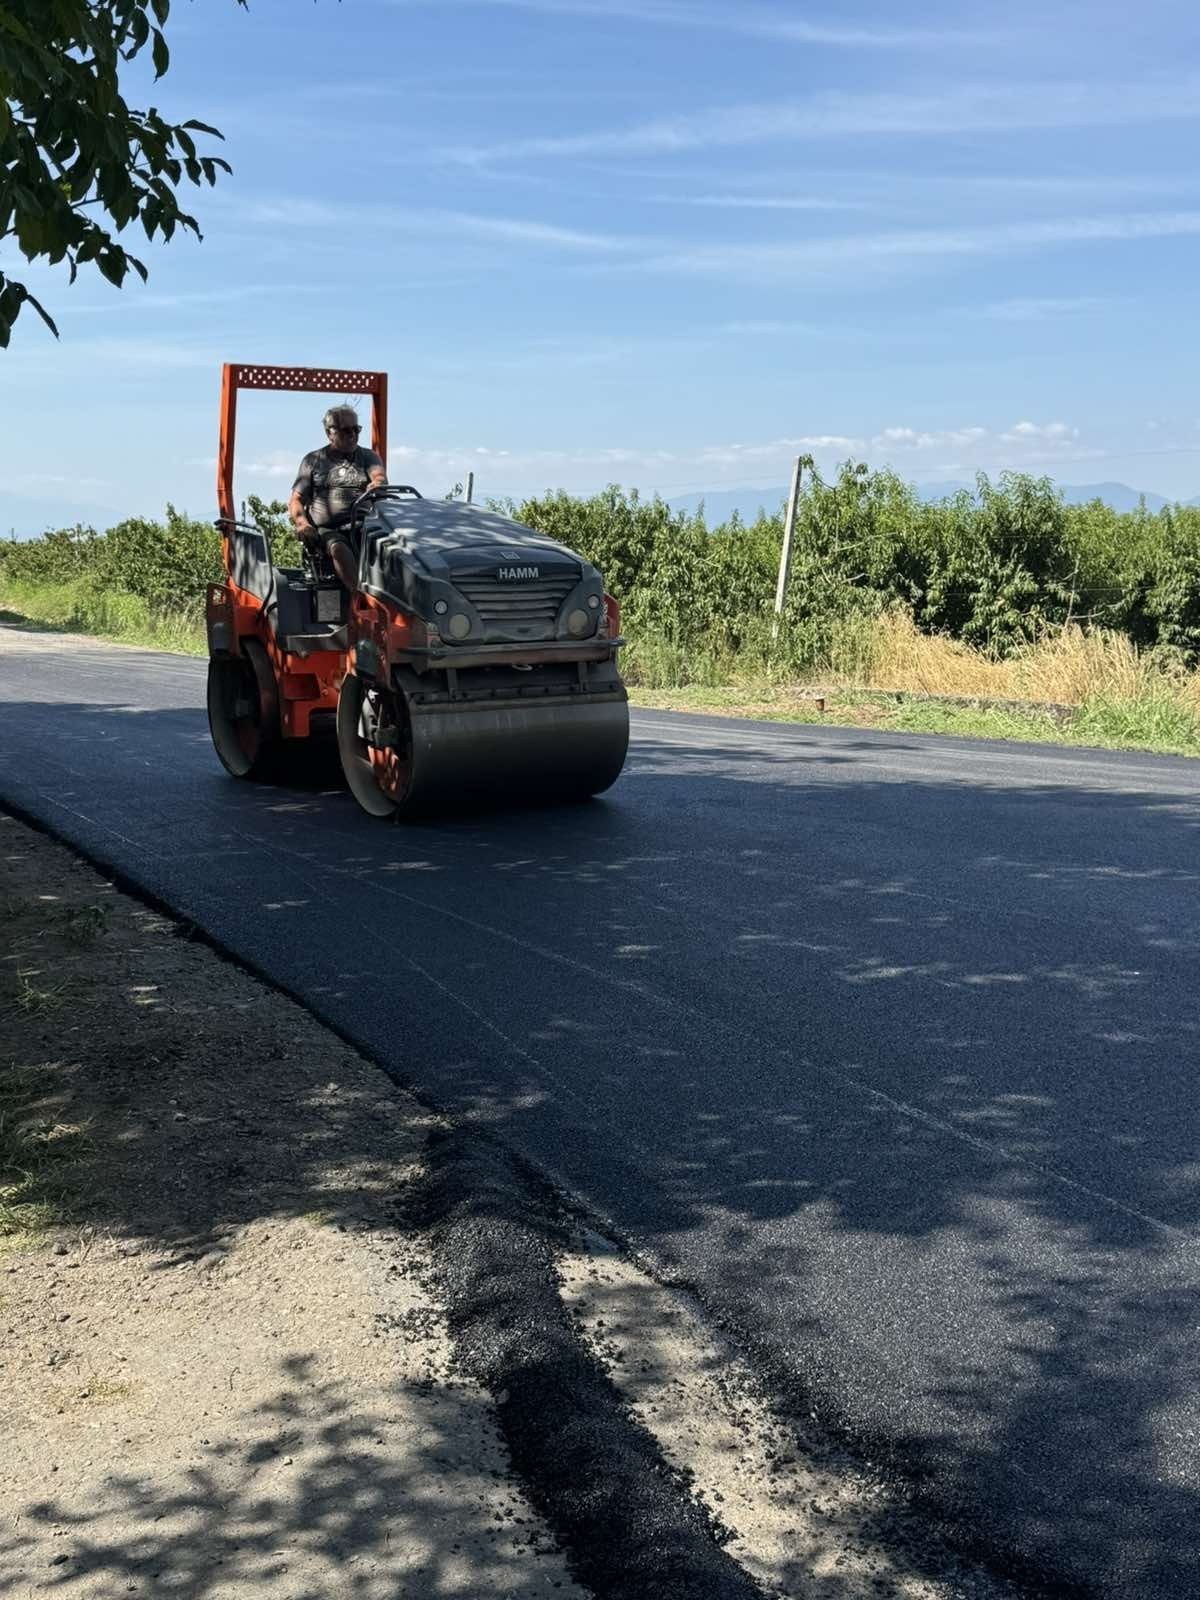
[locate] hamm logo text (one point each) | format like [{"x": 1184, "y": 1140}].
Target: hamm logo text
[{"x": 516, "y": 574}]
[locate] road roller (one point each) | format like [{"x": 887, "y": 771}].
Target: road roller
[{"x": 475, "y": 660}]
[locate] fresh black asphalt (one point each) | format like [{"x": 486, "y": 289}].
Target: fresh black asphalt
[{"x": 889, "y": 1045}]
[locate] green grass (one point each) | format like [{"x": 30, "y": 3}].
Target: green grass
[
  {"x": 984, "y": 722},
  {"x": 79, "y": 606},
  {"x": 37, "y": 1154},
  {"x": 669, "y": 673},
  {"x": 1159, "y": 726},
  {"x": 1151, "y": 723}
]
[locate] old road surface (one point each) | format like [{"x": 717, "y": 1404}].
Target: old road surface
[{"x": 888, "y": 1045}]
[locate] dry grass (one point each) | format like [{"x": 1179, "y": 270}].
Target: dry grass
[
  {"x": 1113, "y": 696},
  {"x": 1068, "y": 666}
]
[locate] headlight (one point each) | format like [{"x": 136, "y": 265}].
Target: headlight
[{"x": 579, "y": 623}]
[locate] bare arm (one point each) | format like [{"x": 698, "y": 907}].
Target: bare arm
[{"x": 299, "y": 498}]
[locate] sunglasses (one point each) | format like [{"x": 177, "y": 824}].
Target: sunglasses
[{"x": 345, "y": 430}]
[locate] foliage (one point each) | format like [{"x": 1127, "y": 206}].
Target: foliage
[
  {"x": 651, "y": 556},
  {"x": 270, "y": 516},
  {"x": 82, "y": 606},
  {"x": 1007, "y": 583},
  {"x": 162, "y": 562},
  {"x": 79, "y": 163}
]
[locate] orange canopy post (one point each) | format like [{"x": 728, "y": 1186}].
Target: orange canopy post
[{"x": 308, "y": 380}]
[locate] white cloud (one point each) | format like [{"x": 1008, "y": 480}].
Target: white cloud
[
  {"x": 974, "y": 446},
  {"x": 752, "y": 21},
  {"x": 748, "y": 202},
  {"x": 927, "y": 454},
  {"x": 132, "y": 297},
  {"x": 969, "y": 108},
  {"x": 875, "y": 251},
  {"x": 92, "y": 355},
  {"x": 1043, "y": 310},
  {"x": 273, "y": 464},
  {"x": 1049, "y": 432},
  {"x": 913, "y": 439},
  {"x": 302, "y": 213},
  {"x": 773, "y": 328},
  {"x": 19, "y": 481}
]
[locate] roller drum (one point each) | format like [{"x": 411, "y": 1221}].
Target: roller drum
[
  {"x": 404, "y": 757},
  {"x": 558, "y": 749}
]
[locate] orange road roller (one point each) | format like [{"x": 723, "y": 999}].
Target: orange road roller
[{"x": 476, "y": 658}]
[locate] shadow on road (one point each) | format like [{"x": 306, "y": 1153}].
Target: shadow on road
[{"x": 899, "y": 1072}]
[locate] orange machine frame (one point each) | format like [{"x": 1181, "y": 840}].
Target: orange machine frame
[
  {"x": 306, "y": 380},
  {"x": 301, "y": 686}
]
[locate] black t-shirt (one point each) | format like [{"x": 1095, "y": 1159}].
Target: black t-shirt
[{"x": 330, "y": 481}]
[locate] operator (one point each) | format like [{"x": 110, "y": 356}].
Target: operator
[{"x": 327, "y": 484}]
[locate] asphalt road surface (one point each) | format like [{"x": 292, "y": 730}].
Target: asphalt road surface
[{"x": 888, "y": 1044}]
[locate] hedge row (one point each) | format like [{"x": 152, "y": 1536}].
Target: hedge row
[{"x": 994, "y": 568}]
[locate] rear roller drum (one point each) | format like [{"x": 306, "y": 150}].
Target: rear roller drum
[
  {"x": 243, "y": 712},
  {"x": 374, "y": 746}
]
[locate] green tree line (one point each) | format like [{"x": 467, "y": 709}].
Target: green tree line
[{"x": 995, "y": 568}]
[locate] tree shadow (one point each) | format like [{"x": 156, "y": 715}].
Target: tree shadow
[
  {"x": 19, "y": 623},
  {"x": 309, "y": 1493}
]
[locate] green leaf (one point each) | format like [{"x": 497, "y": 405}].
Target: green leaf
[
  {"x": 139, "y": 33},
  {"x": 112, "y": 265},
  {"x": 42, "y": 312},
  {"x": 78, "y": 163},
  {"x": 160, "y": 55}
]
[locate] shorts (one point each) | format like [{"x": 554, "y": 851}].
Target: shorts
[{"x": 322, "y": 538}]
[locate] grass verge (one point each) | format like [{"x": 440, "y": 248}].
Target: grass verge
[
  {"x": 881, "y": 673},
  {"x": 81, "y": 607},
  {"x": 1069, "y": 687},
  {"x": 1099, "y": 724}
]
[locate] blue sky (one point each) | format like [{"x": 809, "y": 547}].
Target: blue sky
[{"x": 666, "y": 243}]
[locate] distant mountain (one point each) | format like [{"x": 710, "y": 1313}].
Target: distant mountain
[
  {"x": 27, "y": 518},
  {"x": 1117, "y": 495},
  {"x": 720, "y": 504}
]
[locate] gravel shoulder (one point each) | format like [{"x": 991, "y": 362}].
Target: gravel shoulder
[
  {"x": 262, "y": 1338},
  {"x": 224, "y": 1371}
]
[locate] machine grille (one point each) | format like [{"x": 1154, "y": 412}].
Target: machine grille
[{"x": 529, "y": 601}]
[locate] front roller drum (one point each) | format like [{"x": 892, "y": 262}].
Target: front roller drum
[
  {"x": 243, "y": 712},
  {"x": 401, "y": 758}
]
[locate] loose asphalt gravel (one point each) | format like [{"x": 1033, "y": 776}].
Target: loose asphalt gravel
[{"x": 886, "y": 1044}]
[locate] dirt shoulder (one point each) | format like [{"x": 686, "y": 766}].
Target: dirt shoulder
[
  {"x": 223, "y": 1370},
  {"x": 271, "y": 1329}
]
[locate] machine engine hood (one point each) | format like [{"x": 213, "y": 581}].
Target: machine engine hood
[{"x": 447, "y": 536}]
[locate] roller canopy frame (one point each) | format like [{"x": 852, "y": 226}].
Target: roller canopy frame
[{"x": 304, "y": 380}]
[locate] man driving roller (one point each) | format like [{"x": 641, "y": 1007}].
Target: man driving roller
[{"x": 327, "y": 484}]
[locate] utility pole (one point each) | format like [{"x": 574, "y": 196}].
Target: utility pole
[
  {"x": 785, "y": 555},
  {"x": 470, "y": 487}
]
